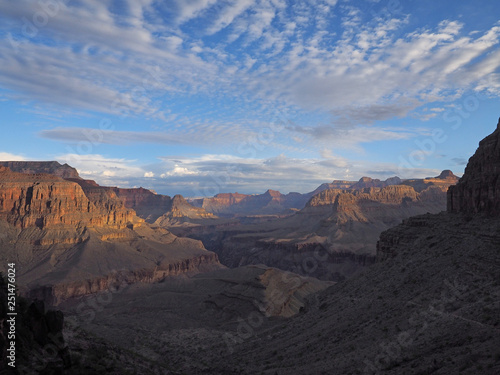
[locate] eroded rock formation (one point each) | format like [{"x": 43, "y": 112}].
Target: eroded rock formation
[
  {"x": 69, "y": 238},
  {"x": 478, "y": 191},
  {"x": 38, "y": 167},
  {"x": 47, "y": 201}
]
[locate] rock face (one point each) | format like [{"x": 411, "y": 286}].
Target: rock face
[
  {"x": 37, "y": 167},
  {"x": 274, "y": 203},
  {"x": 478, "y": 191},
  {"x": 367, "y": 182},
  {"x": 148, "y": 205},
  {"x": 180, "y": 211},
  {"x": 36, "y": 330},
  {"x": 46, "y": 201},
  {"x": 332, "y": 237},
  {"x": 70, "y": 239},
  {"x": 443, "y": 181}
]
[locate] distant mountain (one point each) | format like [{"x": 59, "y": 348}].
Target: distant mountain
[
  {"x": 443, "y": 181},
  {"x": 429, "y": 305},
  {"x": 180, "y": 211},
  {"x": 336, "y": 231},
  {"x": 273, "y": 202}
]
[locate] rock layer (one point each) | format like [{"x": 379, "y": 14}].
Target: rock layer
[
  {"x": 46, "y": 201},
  {"x": 38, "y": 167},
  {"x": 68, "y": 238},
  {"x": 478, "y": 191}
]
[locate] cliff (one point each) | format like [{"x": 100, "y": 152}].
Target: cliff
[
  {"x": 333, "y": 237},
  {"x": 38, "y": 167},
  {"x": 368, "y": 182},
  {"x": 36, "y": 330},
  {"x": 272, "y": 202},
  {"x": 443, "y": 181},
  {"x": 69, "y": 239},
  {"x": 148, "y": 205},
  {"x": 47, "y": 201},
  {"x": 478, "y": 191},
  {"x": 180, "y": 211}
]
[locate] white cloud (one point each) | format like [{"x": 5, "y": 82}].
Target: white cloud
[
  {"x": 6, "y": 156},
  {"x": 105, "y": 171},
  {"x": 97, "y": 57}
]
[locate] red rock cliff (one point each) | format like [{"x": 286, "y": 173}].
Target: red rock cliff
[{"x": 43, "y": 200}]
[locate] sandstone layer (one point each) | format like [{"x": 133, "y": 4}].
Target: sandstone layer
[
  {"x": 332, "y": 237},
  {"x": 39, "y": 167},
  {"x": 69, "y": 240},
  {"x": 430, "y": 305}
]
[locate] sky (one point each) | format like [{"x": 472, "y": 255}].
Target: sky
[{"x": 200, "y": 97}]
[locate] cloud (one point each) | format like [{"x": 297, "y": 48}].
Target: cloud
[
  {"x": 88, "y": 56},
  {"x": 6, "y": 156},
  {"x": 217, "y": 173},
  {"x": 345, "y": 137},
  {"x": 105, "y": 171},
  {"x": 199, "y": 134}
]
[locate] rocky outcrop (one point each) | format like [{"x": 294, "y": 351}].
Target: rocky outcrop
[
  {"x": 443, "y": 181},
  {"x": 336, "y": 184},
  {"x": 180, "y": 211},
  {"x": 38, "y": 167},
  {"x": 344, "y": 199},
  {"x": 147, "y": 204},
  {"x": 36, "y": 332},
  {"x": 367, "y": 182},
  {"x": 55, "y": 294},
  {"x": 478, "y": 191},
  {"x": 68, "y": 236},
  {"x": 47, "y": 201}
]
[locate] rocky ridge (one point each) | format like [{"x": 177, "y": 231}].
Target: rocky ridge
[
  {"x": 180, "y": 211},
  {"x": 42, "y": 167},
  {"x": 332, "y": 237},
  {"x": 57, "y": 230},
  {"x": 275, "y": 203},
  {"x": 478, "y": 190},
  {"x": 430, "y": 305}
]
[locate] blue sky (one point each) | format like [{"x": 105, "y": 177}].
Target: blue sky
[{"x": 200, "y": 97}]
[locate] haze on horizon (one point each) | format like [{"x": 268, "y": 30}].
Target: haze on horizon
[{"x": 202, "y": 97}]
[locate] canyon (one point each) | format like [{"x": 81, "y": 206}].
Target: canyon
[
  {"x": 409, "y": 271},
  {"x": 333, "y": 236},
  {"x": 68, "y": 241},
  {"x": 428, "y": 304}
]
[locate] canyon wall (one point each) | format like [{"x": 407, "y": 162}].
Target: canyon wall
[
  {"x": 479, "y": 189},
  {"x": 39, "y": 167},
  {"x": 476, "y": 194},
  {"x": 68, "y": 238}
]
